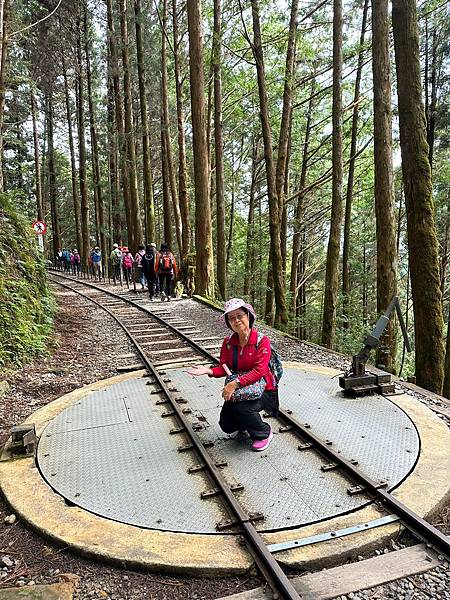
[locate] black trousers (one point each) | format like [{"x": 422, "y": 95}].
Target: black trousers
[
  {"x": 244, "y": 416},
  {"x": 151, "y": 283},
  {"x": 270, "y": 402},
  {"x": 165, "y": 283}
]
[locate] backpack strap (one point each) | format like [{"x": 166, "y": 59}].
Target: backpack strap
[{"x": 235, "y": 359}]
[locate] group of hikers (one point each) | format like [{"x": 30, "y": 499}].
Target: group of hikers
[
  {"x": 69, "y": 260},
  {"x": 153, "y": 269},
  {"x": 249, "y": 363}
]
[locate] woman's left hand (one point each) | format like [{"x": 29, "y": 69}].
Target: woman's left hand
[{"x": 228, "y": 391}]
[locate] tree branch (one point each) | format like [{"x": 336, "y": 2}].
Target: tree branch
[{"x": 36, "y": 23}]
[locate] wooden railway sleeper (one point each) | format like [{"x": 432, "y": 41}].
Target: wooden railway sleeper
[{"x": 276, "y": 578}]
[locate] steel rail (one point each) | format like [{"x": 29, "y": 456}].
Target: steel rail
[
  {"x": 268, "y": 565},
  {"x": 427, "y": 532},
  {"x": 412, "y": 521},
  {"x": 145, "y": 310},
  {"x": 416, "y": 524}
]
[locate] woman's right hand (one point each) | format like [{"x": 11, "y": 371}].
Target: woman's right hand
[{"x": 200, "y": 370}]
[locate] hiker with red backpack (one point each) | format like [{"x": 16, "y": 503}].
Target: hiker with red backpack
[
  {"x": 252, "y": 369},
  {"x": 167, "y": 270},
  {"x": 127, "y": 264}
]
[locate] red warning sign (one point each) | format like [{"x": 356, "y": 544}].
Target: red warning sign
[{"x": 39, "y": 227}]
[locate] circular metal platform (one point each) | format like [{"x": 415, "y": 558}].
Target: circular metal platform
[{"x": 112, "y": 454}]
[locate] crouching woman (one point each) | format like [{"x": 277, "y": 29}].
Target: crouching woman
[{"x": 247, "y": 356}]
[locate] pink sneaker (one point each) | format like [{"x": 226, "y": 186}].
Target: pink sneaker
[{"x": 260, "y": 445}]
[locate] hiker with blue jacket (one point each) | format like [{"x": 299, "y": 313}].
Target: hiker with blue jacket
[
  {"x": 96, "y": 256},
  {"x": 250, "y": 385}
]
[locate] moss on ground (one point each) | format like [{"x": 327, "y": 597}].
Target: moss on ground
[{"x": 26, "y": 301}]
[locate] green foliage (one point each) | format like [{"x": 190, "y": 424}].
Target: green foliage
[{"x": 26, "y": 302}]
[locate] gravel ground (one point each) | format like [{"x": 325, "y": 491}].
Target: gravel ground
[{"x": 87, "y": 346}]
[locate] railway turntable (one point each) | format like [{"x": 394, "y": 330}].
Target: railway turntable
[{"x": 115, "y": 476}]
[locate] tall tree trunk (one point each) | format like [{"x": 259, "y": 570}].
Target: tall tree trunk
[
  {"x": 135, "y": 235},
  {"x": 167, "y": 213},
  {"x": 301, "y": 283},
  {"x": 422, "y": 240},
  {"x": 149, "y": 202},
  {"x": 75, "y": 195},
  {"x": 100, "y": 212},
  {"x": 282, "y": 159},
  {"x": 203, "y": 232},
  {"x": 351, "y": 172},
  {"x": 56, "y": 230},
  {"x": 119, "y": 118},
  {"x": 444, "y": 249},
  {"x": 166, "y": 130},
  {"x": 332, "y": 267},
  {"x": 4, "y": 16},
  {"x": 182, "y": 170},
  {"x": 365, "y": 311},
  {"x": 85, "y": 246},
  {"x": 446, "y": 386},
  {"x": 218, "y": 150},
  {"x": 431, "y": 113},
  {"x": 384, "y": 180},
  {"x": 231, "y": 223},
  {"x": 250, "y": 246},
  {"x": 285, "y": 194},
  {"x": 274, "y": 208},
  {"x": 43, "y": 170},
  {"x": 299, "y": 210},
  {"x": 37, "y": 164},
  {"x": 113, "y": 160},
  {"x": 283, "y": 140}
]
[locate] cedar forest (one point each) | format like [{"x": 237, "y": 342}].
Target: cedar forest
[{"x": 295, "y": 154}]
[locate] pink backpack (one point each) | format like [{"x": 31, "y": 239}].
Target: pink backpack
[{"x": 127, "y": 261}]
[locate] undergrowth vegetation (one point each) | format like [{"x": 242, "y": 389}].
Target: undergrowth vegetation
[{"x": 26, "y": 301}]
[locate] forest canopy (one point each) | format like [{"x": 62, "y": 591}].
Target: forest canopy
[{"x": 295, "y": 154}]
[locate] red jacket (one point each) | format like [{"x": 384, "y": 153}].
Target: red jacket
[{"x": 254, "y": 361}]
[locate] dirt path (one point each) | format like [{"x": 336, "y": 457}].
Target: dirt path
[{"x": 85, "y": 348}]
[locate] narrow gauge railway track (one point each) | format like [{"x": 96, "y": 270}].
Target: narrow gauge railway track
[
  {"x": 310, "y": 442},
  {"x": 268, "y": 566},
  {"x": 167, "y": 341}
]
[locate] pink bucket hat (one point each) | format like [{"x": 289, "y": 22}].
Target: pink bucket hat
[{"x": 234, "y": 304}]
